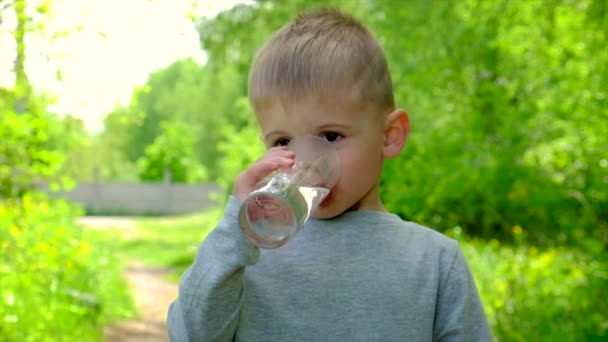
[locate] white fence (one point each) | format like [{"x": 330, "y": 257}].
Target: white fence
[{"x": 141, "y": 198}]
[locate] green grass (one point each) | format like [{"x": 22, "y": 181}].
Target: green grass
[{"x": 169, "y": 242}]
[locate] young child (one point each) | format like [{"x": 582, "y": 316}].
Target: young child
[{"x": 354, "y": 272}]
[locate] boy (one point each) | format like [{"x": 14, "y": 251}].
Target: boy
[{"x": 354, "y": 272}]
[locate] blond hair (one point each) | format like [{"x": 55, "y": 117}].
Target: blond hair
[{"x": 318, "y": 52}]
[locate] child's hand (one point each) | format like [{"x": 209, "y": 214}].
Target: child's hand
[{"x": 276, "y": 158}]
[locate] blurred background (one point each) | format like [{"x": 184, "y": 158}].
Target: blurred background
[{"x": 124, "y": 123}]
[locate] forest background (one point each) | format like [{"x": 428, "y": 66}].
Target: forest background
[{"x": 508, "y": 153}]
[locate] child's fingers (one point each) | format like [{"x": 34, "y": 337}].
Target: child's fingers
[
  {"x": 259, "y": 170},
  {"x": 263, "y": 168},
  {"x": 273, "y": 160},
  {"x": 281, "y": 152}
]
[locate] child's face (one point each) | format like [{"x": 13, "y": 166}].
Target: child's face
[{"x": 355, "y": 130}]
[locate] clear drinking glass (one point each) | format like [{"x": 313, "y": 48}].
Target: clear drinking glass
[{"x": 282, "y": 202}]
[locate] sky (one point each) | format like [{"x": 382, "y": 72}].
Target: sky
[{"x": 120, "y": 43}]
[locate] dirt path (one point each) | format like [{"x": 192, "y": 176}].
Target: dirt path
[{"x": 152, "y": 294}]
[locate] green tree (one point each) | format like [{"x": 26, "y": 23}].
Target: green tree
[
  {"x": 27, "y": 148},
  {"x": 172, "y": 151},
  {"x": 184, "y": 92}
]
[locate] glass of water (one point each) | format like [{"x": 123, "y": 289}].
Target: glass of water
[{"x": 282, "y": 202}]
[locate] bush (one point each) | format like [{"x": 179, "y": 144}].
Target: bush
[
  {"x": 26, "y": 157},
  {"x": 554, "y": 294},
  {"x": 56, "y": 283}
]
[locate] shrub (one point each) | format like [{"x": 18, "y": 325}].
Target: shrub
[
  {"x": 56, "y": 283},
  {"x": 529, "y": 294}
]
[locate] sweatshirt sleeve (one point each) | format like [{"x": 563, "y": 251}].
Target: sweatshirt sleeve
[
  {"x": 209, "y": 300},
  {"x": 460, "y": 315}
]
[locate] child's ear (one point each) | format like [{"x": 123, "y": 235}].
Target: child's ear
[{"x": 396, "y": 131}]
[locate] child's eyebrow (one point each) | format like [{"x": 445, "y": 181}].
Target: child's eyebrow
[{"x": 333, "y": 125}]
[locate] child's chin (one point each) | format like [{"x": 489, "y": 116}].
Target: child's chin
[{"x": 325, "y": 212}]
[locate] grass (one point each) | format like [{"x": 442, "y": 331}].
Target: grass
[{"x": 169, "y": 242}]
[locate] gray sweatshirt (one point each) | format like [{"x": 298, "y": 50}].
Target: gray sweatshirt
[{"x": 362, "y": 276}]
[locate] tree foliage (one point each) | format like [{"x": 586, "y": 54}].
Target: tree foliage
[
  {"x": 34, "y": 143},
  {"x": 172, "y": 151},
  {"x": 509, "y": 114},
  {"x": 26, "y": 156},
  {"x": 184, "y": 94}
]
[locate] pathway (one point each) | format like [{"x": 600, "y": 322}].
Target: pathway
[{"x": 152, "y": 294}]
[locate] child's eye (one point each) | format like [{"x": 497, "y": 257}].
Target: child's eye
[
  {"x": 281, "y": 142},
  {"x": 332, "y": 136}
]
